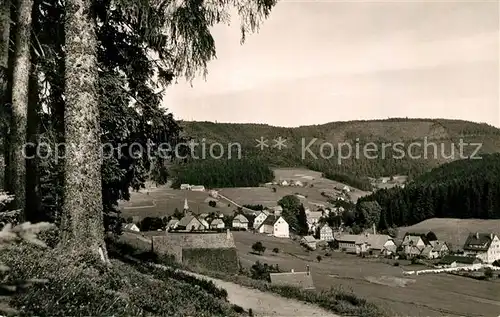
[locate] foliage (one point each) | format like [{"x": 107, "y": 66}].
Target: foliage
[
  {"x": 26, "y": 232},
  {"x": 212, "y": 203},
  {"x": 367, "y": 213},
  {"x": 302, "y": 226},
  {"x": 319, "y": 258},
  {"x": 431, "y": 236},
  {"x": 222, "y": 173},
  {"x": 276, "y": 250},
  {"x": 488, "y": 272},
  {"x": 460, "y": 189},
  {"x": 151, "y": 224},
  {"x": 258, "y": 247},
  {"x": 78, "y": 286},
  {"x": 254, "y": 207},
  {"x": 260, "y": 271}
]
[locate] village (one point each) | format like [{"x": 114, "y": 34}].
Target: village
[{"x": 480, "y": 251}]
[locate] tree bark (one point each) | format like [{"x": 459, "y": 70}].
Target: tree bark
[
  {"x": 4, "y": 79},
  {"x": 20, "y": 83},
  {"x": 83, "y": 228}
]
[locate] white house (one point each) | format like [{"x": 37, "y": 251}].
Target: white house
[
  {"x": 346, "y": 189},
  {"x": 325, "y": 232},
  {"x": 217, "y": 224},
  {"x": 484, "y": 246},
  {"x": 240, "y": 221},
  {"x": 414, "y": 244},
  {"x": 131, "y": 227},
  {"x": 214, "y": 193},
  {"x": 198, "y": 188},
  {"x": 276, "y": 226},
  {"x": 284, "y": 183},
  {"x": 185, "y": 186},
  {"x": 259, "y": 219}
]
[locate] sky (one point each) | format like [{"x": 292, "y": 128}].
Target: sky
[{"x": 314, "y": 62}]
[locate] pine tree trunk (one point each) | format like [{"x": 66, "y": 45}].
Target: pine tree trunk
[
  {"x": 83, "y": 228},
  {"x": 20, "y": 82},
  {"x": 4, "y": 67}
]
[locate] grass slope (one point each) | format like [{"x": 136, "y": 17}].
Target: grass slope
[{"x": 454, "y": 231}]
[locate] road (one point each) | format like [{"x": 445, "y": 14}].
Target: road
[{"x": 264, "y": 304}]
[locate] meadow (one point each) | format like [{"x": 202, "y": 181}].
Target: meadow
[{"x": 378, "y": 280}]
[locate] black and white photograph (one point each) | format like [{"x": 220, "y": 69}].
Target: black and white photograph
[{"x": 233, "y": 158}]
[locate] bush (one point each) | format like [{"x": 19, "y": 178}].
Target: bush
[
  {"x": 212, "y": 203},
  {"x": 488, "y": 273},
  {"x": 319, "y": 258},
  {"x": 276, "y": 250},
  {"x": 396, "y": 264},
  {"x": 258, "y": 247}
]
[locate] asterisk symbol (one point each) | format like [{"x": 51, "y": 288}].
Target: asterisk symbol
[
  {"x": 280, "y": 142},
  {"x": 262, "y": 143}
]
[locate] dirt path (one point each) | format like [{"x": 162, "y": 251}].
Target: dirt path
[{"x": 266, "y": 304}]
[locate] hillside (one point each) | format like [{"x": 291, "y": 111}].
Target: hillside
[
  {"x": 462, "y": 189},
  {"x": 453, "y": 231},
  {"x": 396, "y": 134}
]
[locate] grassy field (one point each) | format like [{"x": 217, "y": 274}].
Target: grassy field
[
  {"x": 379, "y": 281},
  {"x": 453, "y": 231},
  {"x": 163, "y": 201},
  {"x": 267, "y": 197}
]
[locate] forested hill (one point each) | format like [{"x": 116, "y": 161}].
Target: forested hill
[
  {"x": 445, "y": 133},
  {"x": 460, "y": 189}
]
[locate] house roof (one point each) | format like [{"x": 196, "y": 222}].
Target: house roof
[
  {"x": 414, "y": 237},
  {"x": 438, "y": 245},
  {"x": 308, "y": 239},
  {"x": 298, "y": 279},
  {"x": 216, "y": 221},
  {"x": 129, "y": 226},
  {"x": 186, "y": 220},
  {"x": 354, "y": 238},
  {"x": 478, "y": 242},
  {"x": 377, "y": 241},
  {"x": 240, "y": 218},
  {"x": 324, "y": 225},
  {"x": 270, "y": 220},
  {"x": 427, "y": 250},
  {"x": 449, "y": 259}
]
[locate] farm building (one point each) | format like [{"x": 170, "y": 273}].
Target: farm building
[
  {"x": 414, "y": 243},
  {"x": 298, "y": 184},
  {"x": 190, "y": 223},
  {"x": 347, "y": 242},
  {"x": 185, "y": 186},
  {"x": 325, "y": 232},
  {"x": 198, "y": 188},
  {"x": 309, "y": 242},
  {"x": 240, "y": 221},
  {"x": 375, "y": 244},
  {"x": 276, "y": 226},
  {"x": 485, "y": 246},
  {"x": 131, "y": 227},
  {"x": 458, "y": 261},
  {"x": 296, "y": 279},
  {"x": 439, "y": 248},
  {"x": 259, "y": 219},
  {"x": 284, "y": 183},
  {"x": 217, "y": 224}
]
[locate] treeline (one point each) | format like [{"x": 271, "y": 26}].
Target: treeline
[
  {"x": 223, "y": 173},
  {"x": 461, "y": 189}
]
